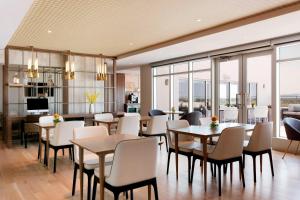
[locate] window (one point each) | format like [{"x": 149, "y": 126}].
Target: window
[{"x": 202, "y": 92}]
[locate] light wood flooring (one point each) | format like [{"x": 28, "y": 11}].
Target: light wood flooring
[{"x": 23, "y": 177}]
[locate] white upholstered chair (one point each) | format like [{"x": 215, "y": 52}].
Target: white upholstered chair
[
  {"x": 134, "y": 166},
  {"x": 228, "y": 150},
  {"x": 260, "y": 143},
  {"x": 90, "y": 160},
  {"x": 46, "y": 120},
  {"x": 230, "y": 114},
  {"x": 104, "y": 117},
  {"x": 205, "y": 121},
  {"x": 128, "y": 125},
  {"x": 63, "y": 133},
  {"x": 186, "y": 144},
  {"x": 157, "y": 128}
]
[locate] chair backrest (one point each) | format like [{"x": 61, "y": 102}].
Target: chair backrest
[
  {"x": 230, "y": 144},
  {"x": 261, "y": 138},
  {"x": 134, "y": 161},
  {"x": 230, "y": 114},
  {"x": 128, "y": 125},
  {"x": 157, "y": 125},
  {"x": 48, "y": 120},
  {"x": 204, "y": 121},
  {"x": 260, "y": 112},
  {"x": 192, "y": 117},
  {"x": 63, "y": 132},
  {"x": 156, "y": 112},
  {"x": 87, "y": 132},
  {"x": 104, "y": 116},
  {"x": 132, "y": 115},
  {"x": 176, "y": 124},
  {"x": 292, "y": 128}
]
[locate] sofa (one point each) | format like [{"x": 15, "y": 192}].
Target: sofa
[{"x": 293, "y": 110}]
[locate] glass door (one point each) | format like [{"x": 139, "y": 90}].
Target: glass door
[
  {"x": 244, "y": 87},
  {"x": 229, "y": 89}
]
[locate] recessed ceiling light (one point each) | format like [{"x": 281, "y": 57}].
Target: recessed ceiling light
[
  {"x": 49, "y": 31},
  {"x": 198, "y": 20}
]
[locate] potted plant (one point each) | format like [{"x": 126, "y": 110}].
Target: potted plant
[
  {"x": 56, "y": 118},
  {"x": 214, "y": 122},
  {"x": 92, "y": 98}
]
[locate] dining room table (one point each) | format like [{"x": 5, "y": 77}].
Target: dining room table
[
  {"x": 47, "y": 127},
  {"x": 100, "y": 145},
  {"x": 108, "y": 122},
  {"x": 173, "y": 113},
  {"x": 144, "y": 120},
  {"x": 204, "y": 132}
]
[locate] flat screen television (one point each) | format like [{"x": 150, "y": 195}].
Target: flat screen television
[{"x": 37, "y": 105}]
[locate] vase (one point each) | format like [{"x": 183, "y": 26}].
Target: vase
[{"x": 91, "y": 108}]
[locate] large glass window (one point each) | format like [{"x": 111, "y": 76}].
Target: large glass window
[
  {"x": 288, "y": 63},
  {"x": 185, "y": 86}
]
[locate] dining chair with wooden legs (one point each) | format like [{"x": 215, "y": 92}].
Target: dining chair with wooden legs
[{"x": 292, "y": 129}]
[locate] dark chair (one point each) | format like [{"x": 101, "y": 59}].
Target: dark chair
[
  {"x": 292, "y": 129},
  {"x": 193, "y": 118},
  {"x": 156, "y": 112}
]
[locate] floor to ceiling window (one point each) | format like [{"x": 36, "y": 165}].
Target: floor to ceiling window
[
  {"x": 288, "y": 66},
  {"x": 186, "y": 86}
]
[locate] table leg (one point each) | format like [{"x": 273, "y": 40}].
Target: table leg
[
  {"x": 141, "y": 128},
  {"x": 204, "y": 143},
  {"x": 149, "y": 192},
  {"x": 101, "y": 175},
  {"x": 81, "y": 171},
  {"x": 176, "y": 154},
  {"x": 40, "y": 143},
  {"x": 47, "y": 148},
  {"x": 109, "y": 130}
]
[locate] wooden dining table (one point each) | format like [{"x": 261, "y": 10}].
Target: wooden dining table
[
  {"x": 47, "y": 127},
  {"x": 204, "y": 133},
  {"x": 100, "y": 145},
  {"x": 107, "y": 122}
]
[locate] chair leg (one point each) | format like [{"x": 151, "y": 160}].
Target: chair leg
[
  {"x": 25, "y": 139},
  {"x": 116, "y": 195},
  {"x": 96, "y": 180},
  {"x": 90, "y": 175},
  {"x": 39, "y": 151},
  {"x": 271, "y": 161},
  {"x": 261, "y": 160},
  {"x": 215, "y": 170},
  {"x": 244, "y": 160},
  {"x": 74, "y": 179},
  {"x": 287, "y": 149},
  {"x": 166, "y": 141},
  {"x": 63, "y": 152},
  {"x": 72, "y": 148},
  {"x": 225, "y": 168},
  {"x": 231, "y": 169},
  {"x": 131, "y": 194},
  {"x": 189, "y": 168},
  {"x": 242, "y": 171},
  {"x": 155, "y": 189},
  {"x": 160, "y": 143},
  {"x": 193, "y": 167},
  {"x": 254, "y": 168},
  {"x": 55, "y": 158},
  {"x": 169, "y": 155},
  {"x": 295, "y": 152},
  {"x": 45, "y": 156},
  {"x": 219, "y": 174},
  {"x": 70, "y": 153}
]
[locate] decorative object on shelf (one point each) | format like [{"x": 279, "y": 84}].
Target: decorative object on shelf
[
  {"x": 33, "y": 68},
  {"x": 50, "y": 81},
  {"x": 214, "y": 122},
  {"x": 173, "y": 109},
  {"x": 69, "y": 68},
  {"x": 101, "y": 67},
  {"x": 253, "y": 105},
  {"x": 92, "y": 98},
  {"x": 16, "y": 79},
  {"x": 56, "y": 118}
]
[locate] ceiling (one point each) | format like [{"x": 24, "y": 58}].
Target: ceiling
[
  {"x": 271, "y": 28},
  {"x": 115, "y": 27}
]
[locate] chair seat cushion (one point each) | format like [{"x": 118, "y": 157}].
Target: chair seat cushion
[
  {"x": 199, "y": 150},
  {"x": 187, "y": 146},
  {"x": 91, "y": 160},
  {"x": 106, "y": 171}
]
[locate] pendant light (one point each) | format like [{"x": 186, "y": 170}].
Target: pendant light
[
  {"x": 69, "y": 68},
  {"x": 33, "y": 67},
  {"x": 101, "y": 67}
]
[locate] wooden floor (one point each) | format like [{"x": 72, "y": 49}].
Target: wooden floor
[{"x": 23, "y": 177}]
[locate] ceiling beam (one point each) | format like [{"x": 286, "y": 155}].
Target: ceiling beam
[{"x": 219, "y": 28}]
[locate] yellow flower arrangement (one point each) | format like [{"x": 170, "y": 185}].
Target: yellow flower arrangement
[
  {"x": 92, "y": 97},
  {"x": 56, "y": 118}
]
